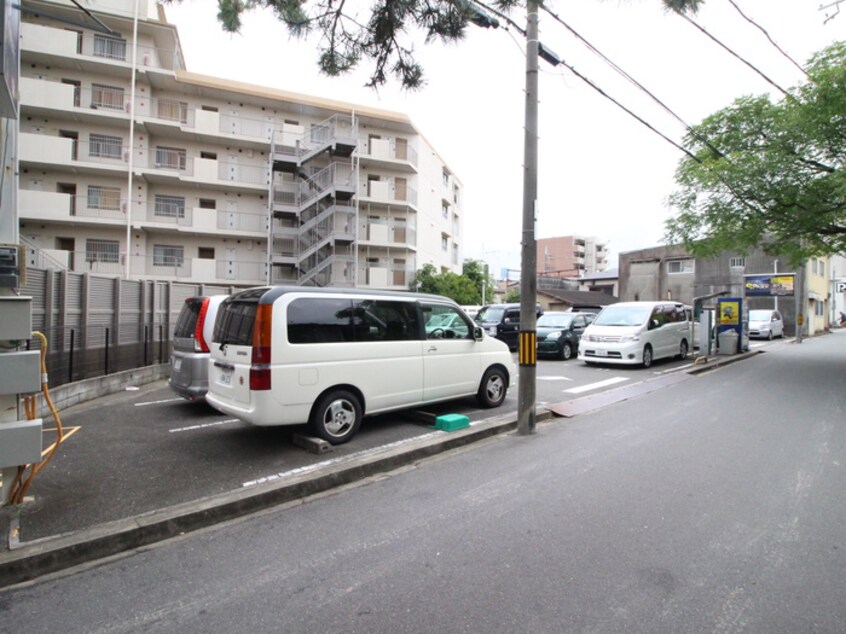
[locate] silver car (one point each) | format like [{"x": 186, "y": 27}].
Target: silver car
[
  {"x": 765, "y": 324},
  {"x": 189, "y": 373}
]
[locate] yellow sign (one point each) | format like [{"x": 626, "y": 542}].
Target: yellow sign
[
  {"x": 800, "y": 319},
  {"x": 729, "y": 313}
]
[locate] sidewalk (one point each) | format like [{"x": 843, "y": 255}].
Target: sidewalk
[{"x": 85, "y": 512}]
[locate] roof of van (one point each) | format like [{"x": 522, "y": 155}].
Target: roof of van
[{"x": 269, "y": 294}]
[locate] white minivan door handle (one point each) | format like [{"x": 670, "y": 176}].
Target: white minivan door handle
[{"x": 432, "y": 349}]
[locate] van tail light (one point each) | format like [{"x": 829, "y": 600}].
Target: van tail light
[
  {"x": 260, "y": 364},
  {"x": 200, "y": 343}
]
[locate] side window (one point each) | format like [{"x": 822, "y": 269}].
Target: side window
[
  {"x": 579, "y": 322},
  {"x": 658, "y": 318},
  {"x": 380, "y": 320},
  {"x": 319, "y": 320},
  {"x": 445, "y": 322},
  {"x": 513, "y": 316}
]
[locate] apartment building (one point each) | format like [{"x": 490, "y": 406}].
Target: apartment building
[
  {"x": 571, "y": 256},
  {"x": 131, "y": 165}
]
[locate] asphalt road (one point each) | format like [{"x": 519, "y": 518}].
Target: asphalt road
[{"x": 715, "y": 504}]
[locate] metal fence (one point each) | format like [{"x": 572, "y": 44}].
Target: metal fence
[{"x": 96, "y": 325}]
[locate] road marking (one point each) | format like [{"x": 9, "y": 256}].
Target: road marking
[
  {"x": 597, "y": 385},
  {"x": 167, "y": 400},
  {"x": 67, "y": 432},
  {"x": 204, "y": 425},
  {"x": 553, "y": 378}
]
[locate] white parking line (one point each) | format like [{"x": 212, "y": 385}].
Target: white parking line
[
  {"x": 167, "y": 400},
  {"x": 204, "y": 425},
  {"x": 597, "y": 385},
  {"x": 553, "y": 378}
]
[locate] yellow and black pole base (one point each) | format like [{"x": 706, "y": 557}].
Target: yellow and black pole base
[{"x": 528, "y": 348}]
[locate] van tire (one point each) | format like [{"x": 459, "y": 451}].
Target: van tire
[
  {"x": 336, "y": 417},
  {"x": 493, "y": 388},
  {"x": 683, "y": 349},
  {"x": 647, "y": 356}
]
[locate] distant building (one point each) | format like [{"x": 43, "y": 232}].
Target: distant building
[
  {"x": 571, "y": 256},
  {"x": 605, "y": 282},
  {"x": 670, "y": 272},
  {"x": 556, "y": 299}
]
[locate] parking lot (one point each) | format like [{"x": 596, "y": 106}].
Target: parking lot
[{"x": 145, "y": 448}]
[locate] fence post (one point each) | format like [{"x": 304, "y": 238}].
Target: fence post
[
  {"x": 107, "y": 349},
  {"x": 161, "y": 353},
  {"x": 70, "y": 359},
  {"x": 146, "y": 339}
]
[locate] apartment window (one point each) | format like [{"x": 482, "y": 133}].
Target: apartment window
[
  {"x": 445, "y": 176},
  {"x": 819, "y": 309},
  {"x": 171, "y": 158},
  {"x": 445, "y": 209},
  {"x": 455, "y": 194},
  {"x": 103, "y": 197},
  {"x": 444, "y": 242},
  {"x": 208, "y": 155},
  {"x": 208, "y": 203},
  {"x": 111, "y": 97},
  {"x": 173, "y": 110},
  {"x": 209, "y": 109},
  {"x": 105, "y": 146},
  {"x": 205, "y": 253},
  {"x": 110, "y": 47},
  {"x": 737, "y": 263},
  {"x": 822, "y": 268},
  {"x": 77, "y": 89},
  {"x": 165, "y": 255},
  {"x": 675, "y": 267},
  {"x": 814, "y": 266},
  {"x": 170, "y": 206},
  {"x": 102, "y": 251}
]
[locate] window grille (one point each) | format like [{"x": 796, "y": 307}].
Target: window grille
[
  {"x": 111, "y": 97},
  {"x": 110, "y": 47},
  {"x": 102, "y": 250},
  {"x": 679, "y": 266},
  {"x": 171, "y": 158},
  {"x": 164, "y": 255},
  {"x": 170, "y": 206},
  {"x": 103, "y": 197},
  {"x": 105, "y": 146},
  {"x": 737, "y": 263}
]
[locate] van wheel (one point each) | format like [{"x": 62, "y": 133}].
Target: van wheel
[
  {"x": 647, "y": 356},
  {"x": 336, "y": 417},
  {"x": 492, "y": 389},
  {"x": 566, "y": 351},
  {"x": 683, "y": 349}
]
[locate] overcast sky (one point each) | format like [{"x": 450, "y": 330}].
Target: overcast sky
[{"x": 601, "y": 173}]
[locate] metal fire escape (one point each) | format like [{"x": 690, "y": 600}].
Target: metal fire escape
[{"x": 313, "y": 189}]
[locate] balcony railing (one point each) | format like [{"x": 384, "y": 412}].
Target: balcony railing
[{"x": 387, "y": 150}]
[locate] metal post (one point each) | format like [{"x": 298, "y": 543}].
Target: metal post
[
  {"x": 70, "y": 357},
  {"x": 107, "y": 350},
  {"x": 528, "y": 267}
]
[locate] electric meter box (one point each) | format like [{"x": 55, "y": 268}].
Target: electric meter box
[
  {"x": 15, "y": 318},
  {"x": 20, "y": 372},
  {"x": 20, "y": 443}
]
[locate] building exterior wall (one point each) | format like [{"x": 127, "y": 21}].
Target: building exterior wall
[
  {"x": 183, "y": 177},
  {"x": 571, "y": 256}
]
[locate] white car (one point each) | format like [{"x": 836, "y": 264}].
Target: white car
[{"x": 765, "y": 324}]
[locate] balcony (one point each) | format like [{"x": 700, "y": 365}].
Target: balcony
[
  {"x": 93, "y": 52},
  {"x": 385, "y": 275},
  {"x": 389, "y": 192},
  {"x": 386, "y": 232},
  {"x": 387, "y": 154}
]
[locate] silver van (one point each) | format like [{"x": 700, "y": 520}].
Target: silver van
[{"x": 189, "y": 373}]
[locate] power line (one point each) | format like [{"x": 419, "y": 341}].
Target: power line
[{"x": 767, "y": 35}]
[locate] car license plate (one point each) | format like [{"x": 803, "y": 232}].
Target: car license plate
[
  {"x": 601, "y": 353},
  {"x": 177, "y": 363},
  {"x": 226, "y": 377}
]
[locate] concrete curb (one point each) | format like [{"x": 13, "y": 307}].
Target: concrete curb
[{"x": 53, "y": 554}]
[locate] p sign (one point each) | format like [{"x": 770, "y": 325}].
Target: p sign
[{"x": 841, "y": 287}]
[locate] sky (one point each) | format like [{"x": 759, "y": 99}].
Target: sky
[{"x": 600, "y": 172}]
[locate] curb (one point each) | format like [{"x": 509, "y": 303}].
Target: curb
[{"x": 53, "y": 554}]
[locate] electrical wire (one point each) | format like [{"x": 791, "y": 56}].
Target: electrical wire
[
  {"x": 767, "y": 35},
  {"x": 20, "y": 485}
]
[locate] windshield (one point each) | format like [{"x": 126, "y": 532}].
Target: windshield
[
  {"x": 551, "y": 320},
  {"x": 623, "y": 315},
  {"x": 491, "y": 313},
  {"x": 759, "y": 315}
]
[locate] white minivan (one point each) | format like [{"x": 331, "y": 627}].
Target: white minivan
[
  {"x": 286, "y": 355},
  {"x": 636, "y": 333}
]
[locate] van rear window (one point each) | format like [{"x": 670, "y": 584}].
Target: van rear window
[
  {"x": 187, "y": 321},
  {"x": 235, "y": 321}
]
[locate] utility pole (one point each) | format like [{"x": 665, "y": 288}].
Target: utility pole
[{"x": 528, "y": 268}]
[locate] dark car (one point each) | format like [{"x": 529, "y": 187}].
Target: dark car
[
  {"x": 503, "y": 322},
  {"x": 559, "y": 333}
]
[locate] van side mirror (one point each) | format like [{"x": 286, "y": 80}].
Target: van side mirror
[{"x": 478, "y": 333}]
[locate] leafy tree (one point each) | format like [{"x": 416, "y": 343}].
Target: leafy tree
[
  {"x": 459, "y": 288},
  {"x": 476, "y": 271},
  {"x": 512, "y": 295},
  {"x": 769, "y": 174}
]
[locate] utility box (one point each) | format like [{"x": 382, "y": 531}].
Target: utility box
[
  {"x": 20, "y": 372},
  {"x": 727, "y": 341},
  {"x": 15, "y": 318},
  {"x": 20, "y": 443}
]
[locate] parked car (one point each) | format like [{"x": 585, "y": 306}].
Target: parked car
[
  {"x": 559, "y": 332},
  {"x": 288, "y": 355},
  {"x": 636, "y": 333},
  {"x": 503, "y": 322},
  {"x": 189, "y": 372},
  {"x": 765, "y": 324}
]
